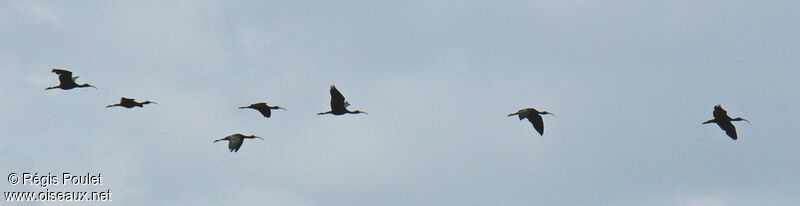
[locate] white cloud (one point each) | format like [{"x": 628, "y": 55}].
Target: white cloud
[{"x": 44, "y": 14}]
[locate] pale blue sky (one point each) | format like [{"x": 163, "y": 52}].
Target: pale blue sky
[{"x": 629, "y": 81}]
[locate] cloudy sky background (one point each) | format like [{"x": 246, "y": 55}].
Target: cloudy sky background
[{"x": 629, "y": 81}]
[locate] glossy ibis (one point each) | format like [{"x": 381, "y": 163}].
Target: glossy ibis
[
  {"x": 67, "y": 81},
  {"x": 338, "y": 104},
  {"x": 262, "y": 107},
  {"x": 235, "y": 141},
  {"x": 725, "y": 122},
  {"x": 534, "y": 116},
  {"x": 130, "y": 103}
]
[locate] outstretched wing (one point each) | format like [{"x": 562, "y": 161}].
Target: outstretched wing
[
  {"x": 525, "y": 113},
  {"x": 234, "y": 144},
  {"x": 537, "y": 122},
  {"x": 62, "y": 72},
  {"x": 64, "y": 76},
  {"x": 719, "y": 113},
  {"x": 262, "y": 108},
  {"x": 730, "y": 130},
  {"x": 264, "y": 111},
  {"x": 125, "y": 100},
  {"x": 337, "y": 99}
]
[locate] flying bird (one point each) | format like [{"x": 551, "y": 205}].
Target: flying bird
[
  {"x": 66, "y": 80},
  {"x": 725, "y": 122},
  {"x": 534, "y": 116},
  {"x": 338, "y": 104},
  {"x": 262, "y": 107},
  {"x": 129, "y": 103},
  {"x": 235, "y": 141}
]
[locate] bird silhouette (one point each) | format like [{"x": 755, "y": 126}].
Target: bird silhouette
[
  {"x": 67, "y": 81},
  {"x": 129, "y": 103},
  {"x": 534, "y": 116},
  {"x": 235, "y": 141},
  {"x": 725, "y": 122},
  {"x": 262, "y": 107},
  {"x": 338, "y": 104}
]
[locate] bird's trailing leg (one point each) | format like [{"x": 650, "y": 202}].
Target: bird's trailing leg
[
  {"x": 545, "y": 112},
  {"x": 521, "y": 117},
  {"x": 710, "y": 121},
  {"x": 740, "y": 119}
]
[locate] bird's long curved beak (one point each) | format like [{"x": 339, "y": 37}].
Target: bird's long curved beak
[{"x": 258, "y": 137}]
